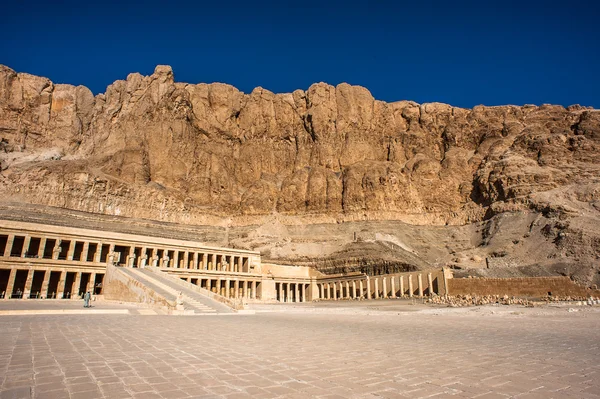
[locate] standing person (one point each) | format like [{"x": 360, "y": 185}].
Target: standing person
[{"x": 86, "y": 300}]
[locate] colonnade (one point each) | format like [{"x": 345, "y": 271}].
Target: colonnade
[
  {"x": 291, "y": 292},
  {"x": 136, "y": 255},
  {"x": 375, "y": 287},
  {"x": 228, "y": 287},
  {"x": 48, "y": 283},
  {"x": 190, "y": 260}
]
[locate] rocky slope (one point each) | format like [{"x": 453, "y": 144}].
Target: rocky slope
[{"x": 268, "y": 164}]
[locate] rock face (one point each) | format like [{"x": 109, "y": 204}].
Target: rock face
[{"x": 208, "y": 153}]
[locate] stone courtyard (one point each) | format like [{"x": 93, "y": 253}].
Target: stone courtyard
[{"x": 371, "y": 349}]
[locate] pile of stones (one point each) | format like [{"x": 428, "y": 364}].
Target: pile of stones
[
  {"x": 554, "y": 298},
  {"x": 475, "y": 300}
]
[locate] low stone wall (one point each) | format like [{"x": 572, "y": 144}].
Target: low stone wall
[
  {"x": 524, "y": 287},
  {"x": 120, "y": 287}
]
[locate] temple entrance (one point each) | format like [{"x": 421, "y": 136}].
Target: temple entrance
[
  {"x": 34, "y": 248},
  {"x": 4, "y": 276},
  {"x": 69, "y": 285},
  {"x": 64, "y": 249},
  {"x": 17, "y": 247},
  {"x": 53, "y": 285},
  {"x": 78, "y": 250},
  {"x": 50, "y": 243},
  {"x": 36, "y": 284},
  {"x": 123, "y": 253},
  {"x": 91, "y": 255},
  {"x": 85, "y": 279},
  {"x": 3, "y": 241},
  {"x": 19, "y": 287}
]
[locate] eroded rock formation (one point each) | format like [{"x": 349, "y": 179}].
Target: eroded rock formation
[{"x": 209, "y": 154}]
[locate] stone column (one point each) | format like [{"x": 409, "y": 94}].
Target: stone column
[
  {"x": 56, "y": 249},
  {"x": 361, "y": 289},
  {"x": 131, "y": 257},
  {"x": 393, "y": 286},
  {"x": 204, "y": 261},
  {"x": 40, "y": 253},
  {"x": 245, "y": 289},
  {"x": 71, "y": 250},
  {"x": 219, "y": 285},
  {"x": 420, "y": 282},
  {"x": 195, "y": 259},
  {"x": 303, "y": 299},
  {"x": 239, "y": 264},
  {"x": 143, "y": 260},
  {"x": 232, "y": 264},
  {"x": 297, "y": 293},
  {"x": 376, "y": 282},
  {"x": 186, "y": 260},
  {"x": 153, "y": 256},
  {"x": 45, "y": 283},
  {"x": 410, "y": 286},
  {"x": 9, "y": 243},
  {"x": 401, "y": 283},
  {"x": 327, "y": 293},
  {"x": 236, "y": 288},
  {"x": 430, "y": 282},
  {"x": 25, "y": 249},
  {"x": 76, "y": 284},
  {"x": 175, "y": 259},
  {"x": 98, "y": 252},
  {"x": 368, "y": 288},
  {"x": 28, "y": 282},
  {"x": 60, "y": 288},
  {"x": 353, "y": 289},
  {"x": 347, "y": 283},
  {"x": 254, "y": 289},
  {"x": 90, "y": 285},
  {"x": 11, "y": 283},
  {"x": 384, "y": 287},
  {"x": 84, "y": 251},
  {"x": 335, "y": 295}
]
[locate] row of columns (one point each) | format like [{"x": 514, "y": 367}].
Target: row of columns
[
  {"x": 352, "y": 289},
  {"x": 193, "y": 260},
  {"x": 190, "y": 260},
  {"x": 291, "y": 292},
  {"x": 223, "y": 286},
  {"x": 61, "y": 287}
]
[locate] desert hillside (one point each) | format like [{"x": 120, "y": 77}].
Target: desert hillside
[{"x": 328, "y": 176}]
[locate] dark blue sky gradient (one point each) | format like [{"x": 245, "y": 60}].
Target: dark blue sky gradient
[{"x": 461, "y": 53}]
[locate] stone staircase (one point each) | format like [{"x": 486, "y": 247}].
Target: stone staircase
[{"x": 193, "y": 302}]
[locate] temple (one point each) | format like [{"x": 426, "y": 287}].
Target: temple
[{"x": 44, "y": 261}]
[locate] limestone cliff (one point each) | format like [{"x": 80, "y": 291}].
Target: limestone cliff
[{"x": 209, "y": 154}]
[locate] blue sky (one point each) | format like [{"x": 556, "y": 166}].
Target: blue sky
[{"x": 461, "y": 53}]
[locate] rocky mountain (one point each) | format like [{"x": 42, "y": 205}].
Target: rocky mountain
[{"x": 208, "y": 154}]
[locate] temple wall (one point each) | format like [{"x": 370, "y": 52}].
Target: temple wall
[{"x": 526, "y": 286}]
